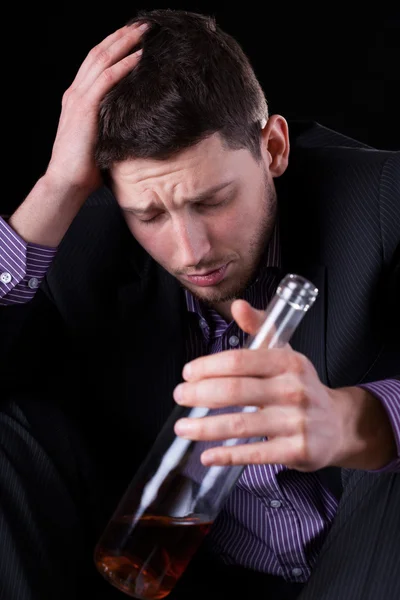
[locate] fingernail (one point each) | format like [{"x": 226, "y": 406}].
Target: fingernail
[
  {"x": 187, "y": 369},
  {"x": 207, "y": 458},
  {"x": 143, "y": 27},
  {"x": 183, "y": 427},
  {"x": 178, "y": 396}
]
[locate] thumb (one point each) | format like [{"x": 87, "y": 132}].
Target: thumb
[{"x": 248, "y": 318}]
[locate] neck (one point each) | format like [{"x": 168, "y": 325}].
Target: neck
[{"x": 224, "y": 309}]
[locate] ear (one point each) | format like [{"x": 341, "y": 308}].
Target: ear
[{"x": 275, "y": 145}]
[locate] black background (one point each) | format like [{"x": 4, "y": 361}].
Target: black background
[{"x": 337, "y": 64}]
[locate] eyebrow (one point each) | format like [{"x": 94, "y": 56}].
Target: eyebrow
[{"x": 198, "y": 198}]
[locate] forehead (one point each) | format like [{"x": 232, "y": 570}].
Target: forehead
[{"x": 203, "y": 164}]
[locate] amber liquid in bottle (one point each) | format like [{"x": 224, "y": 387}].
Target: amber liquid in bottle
[{"x": 154, "y": 555}]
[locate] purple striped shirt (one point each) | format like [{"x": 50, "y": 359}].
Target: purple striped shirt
[
  {"x": 275, "y": 519},
  {"x": 22, "y": 266}
]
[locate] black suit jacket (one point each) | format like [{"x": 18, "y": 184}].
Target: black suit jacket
[{"x": 106, "y": 331}]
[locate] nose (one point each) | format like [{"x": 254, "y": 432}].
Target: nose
[{"x": 192, "y": 241}]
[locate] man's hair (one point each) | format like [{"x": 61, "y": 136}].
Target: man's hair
[{"x": 193, "y": 80}]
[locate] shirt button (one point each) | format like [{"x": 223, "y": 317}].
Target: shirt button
[
  {"x": 275, "y": 504},
  {"x": 33, "y": 283},
  {"x": 203, "y": 324},
  {"x": 233, "y": 340},
  {"x": 5, "y": 277},
  {"x": 297, "y": 572}
]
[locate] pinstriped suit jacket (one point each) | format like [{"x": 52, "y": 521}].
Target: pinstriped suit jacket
[{"x": 339, "y": 204}]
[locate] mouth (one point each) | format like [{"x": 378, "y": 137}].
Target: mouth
[{"x": 210, "y": 278}]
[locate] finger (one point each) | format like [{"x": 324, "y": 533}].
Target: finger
[
  {"x": 108, "y": 78},
  {"x": 248, "y": 318},
  {"x": 263, "y": 362},
  {"x": 289, "y": 451},
  {"x": 221, "y": 392},
  {"x": 103, "y": 45},
  {"x": 268, "y": 422},
  {"x": 111, "y": 50}
]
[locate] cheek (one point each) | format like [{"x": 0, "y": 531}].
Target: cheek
[
  {"x": 223, "y": 231},
  {"x": 233, "y": 227}
]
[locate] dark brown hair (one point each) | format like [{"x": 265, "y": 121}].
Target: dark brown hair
[{"x": 192, "y": 80}]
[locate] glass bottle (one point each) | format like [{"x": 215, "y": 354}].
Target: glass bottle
[{"x": 173, "y": 498}]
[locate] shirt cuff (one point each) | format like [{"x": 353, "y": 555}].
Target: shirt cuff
[
  {"x": 23, "y": 266},
  {"x": 388, "y": 392}
]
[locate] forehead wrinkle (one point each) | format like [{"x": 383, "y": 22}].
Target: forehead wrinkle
[
  {"x": 199, "y": 197},
  {"x": 149, "y": 183}
]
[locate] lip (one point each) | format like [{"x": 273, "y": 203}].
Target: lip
[{"x": 208, "y": 279}]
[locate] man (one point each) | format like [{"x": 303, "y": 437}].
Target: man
[{"x": 172, "y": 206}]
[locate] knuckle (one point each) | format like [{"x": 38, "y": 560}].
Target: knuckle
[
  {"x": 239, "y": 425},
  {"x": 256, "y": 456},
  {"x": 236, "y": 360},
  {"x": 301, "y": 452},
  {"x": 299, "y": 424},
  {"x": 126, "y": 62},
  {"x": 67, "y": 95},
  {"x": 94, "y": 51},
  {"x": 297, "y": 362},
  {"x": 295, "y": 392},
  {"x": 101, "y": 57},
  {"x": 199, "y": 430},
  {"x": 108, "y": 76},
  {"x": 233, "y": 388},
  {"x": 228, "y": 460}
]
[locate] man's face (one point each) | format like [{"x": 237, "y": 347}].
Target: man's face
[{"x": 205, "y": 215}]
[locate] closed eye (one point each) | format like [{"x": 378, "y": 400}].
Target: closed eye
[
  {"x": 211, "y": 205},
  {"x": 151, "y": 220},
  {"x": 202, "y": 206}
]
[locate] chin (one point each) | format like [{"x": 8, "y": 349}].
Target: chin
[{"x": 217, "y": 294}]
